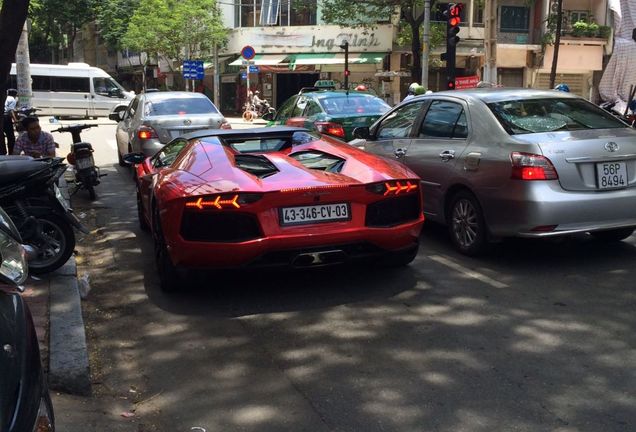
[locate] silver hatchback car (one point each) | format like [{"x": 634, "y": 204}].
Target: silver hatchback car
[
  {"x": 153, "y": 119},
  {"x": 501, "y": 163}
]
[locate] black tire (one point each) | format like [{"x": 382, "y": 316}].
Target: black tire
[
  {"x": 402, "y": 258},
  {"x": 170, "y": 278},
  {"x": 91, "y": 192},
  {"x": 140, "y": 214},
  {"x": 58, "y": 247},
  {"x": 466, "y": 224},
  {"x": 613, "y": 235}
]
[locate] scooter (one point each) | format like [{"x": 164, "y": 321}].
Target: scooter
[
  {"x": 25, "y": 403},
  {"x": 22, "y": 113},
  {"x": 85, "y": 172},
  {"x": 30, "y": 196}
]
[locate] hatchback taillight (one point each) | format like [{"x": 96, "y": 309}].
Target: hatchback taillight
[
  {"x": 330, "y": 128},
  {"x": 529, "y": 166},
  {"x": 146, "y": 132}
]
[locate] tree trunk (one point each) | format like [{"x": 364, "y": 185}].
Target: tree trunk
[
  {"x": 557, "y": 43},
  {"x": 12, "y": 17},
  {"x": 416, "y": 50}
]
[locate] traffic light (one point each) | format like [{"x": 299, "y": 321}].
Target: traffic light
[
  {"x": 452, "y": 14},
  {"x": 345, "y": 46}
]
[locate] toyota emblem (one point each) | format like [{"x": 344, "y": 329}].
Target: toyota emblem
[{"x": 611, "y": 146}]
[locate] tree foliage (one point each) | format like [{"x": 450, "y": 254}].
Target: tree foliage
[
  {"x": 368, "y": 12},
  {"x": 112, "y": 18},
  {"x": 175, "y": 29}
]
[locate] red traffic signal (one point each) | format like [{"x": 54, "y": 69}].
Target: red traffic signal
[
  {"x": 346, "y": 72},
  {"x": 450, "y": 84}
]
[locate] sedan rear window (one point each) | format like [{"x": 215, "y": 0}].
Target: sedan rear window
[
  {"x": 524, "y": 116},
  {"x": 353, "y": 104},
  {"x": 179, "y": 106}
]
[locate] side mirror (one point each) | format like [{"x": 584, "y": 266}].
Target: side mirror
[
  {"x": 361, "y": 132},
  {"x": 269, "y": 116},
  {"x": 134, "y": 158},
  {"x": 116, "y": 116}
]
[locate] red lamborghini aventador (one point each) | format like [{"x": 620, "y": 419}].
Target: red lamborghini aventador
[{"x": 278, "y": 196}]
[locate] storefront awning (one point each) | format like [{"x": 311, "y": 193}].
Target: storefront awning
[
  {"x": 332, "y": 58},
  {"x": 262, "y": 60}
]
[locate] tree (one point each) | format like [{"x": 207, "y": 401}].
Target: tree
[
  {"x": 13, "y": 14},
  {"x": 174, "y": 29},
  {"x": 411, "y": 17},
  {"x": 112, "y": 18},
  {"x": 557, "y": 38}
]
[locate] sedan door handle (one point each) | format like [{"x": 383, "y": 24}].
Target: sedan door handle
[
  {"x": 447, "y": 155},
  {"x": 399, "y": 153}
]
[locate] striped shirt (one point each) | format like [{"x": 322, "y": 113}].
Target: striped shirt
[{"x": 44, "y": 146}]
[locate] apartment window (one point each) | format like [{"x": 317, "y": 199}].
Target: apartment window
[
  {"x": 478, "y": 15},
  {"x": 250, "y": 15},
  {"x": 576, "y": 16},
  {"x": 269, "y": 12},
  {"x": 515, "y": 19},
  {"x": 294, "y": 13}
]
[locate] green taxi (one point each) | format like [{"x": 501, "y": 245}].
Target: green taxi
[{"x": 329, "y": 111}]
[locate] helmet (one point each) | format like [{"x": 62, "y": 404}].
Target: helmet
[
  {"x": 419, "y": 90},
  {"x": 563, "y": 88},
  {"x": 412, "y": 88},
  {"x": 12, "y": 92},
  {"x": 361, "y": 87}
]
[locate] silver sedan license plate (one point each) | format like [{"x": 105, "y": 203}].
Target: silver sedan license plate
[
  {"x": 611, "y": 175},
  {"x": 314, "y": 214}
]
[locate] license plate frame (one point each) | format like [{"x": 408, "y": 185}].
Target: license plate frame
[
  {"x": 314, "y": 214},
  {"x": 83, "y": 163},
  {"x": 611, "y": 175}
]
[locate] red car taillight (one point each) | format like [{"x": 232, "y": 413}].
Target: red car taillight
[
  {"x": 528, "y": 166},
  {"x": 220, "y": 202},
  {"x": 393, "y": 187},
  {"x": 330, "y": 128},
  {"x": 145, "y": 132}
]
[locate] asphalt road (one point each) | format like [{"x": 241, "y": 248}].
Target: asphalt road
[{"x": 536, "y": 336}]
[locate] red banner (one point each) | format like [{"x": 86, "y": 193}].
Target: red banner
[{"x": 466, "y": 82}]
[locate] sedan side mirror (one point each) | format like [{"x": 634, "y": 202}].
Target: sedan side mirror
[
  {"x": 361, "y": 132},
  {"x": 269, "y": 116},
  {"x": 134, "y": 158}
]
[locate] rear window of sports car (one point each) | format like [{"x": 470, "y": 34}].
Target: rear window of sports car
[
  {"x": 523, "y": 116},
  {"x": 266, "y": 144}
]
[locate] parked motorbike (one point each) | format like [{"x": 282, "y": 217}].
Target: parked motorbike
[
  {"x": 25, "y": 403},
  {"x": 22, "y": 113},
  {"x": 251, "y": 112},
  {"x": 29, "y": 194},
  {"x": 85, "y": 172}
]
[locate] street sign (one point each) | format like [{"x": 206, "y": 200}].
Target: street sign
[
  {"x": 248, "y": 52},
  {"x": 243, "y": 75},
  {"x": 193, "y": 69},
  {"x": 466, "y": 82},
  {"x": 253, "y": 69}
]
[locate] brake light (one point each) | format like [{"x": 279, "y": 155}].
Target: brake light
[
  {"x": 220, "y": 202},
  {"x": 393, "y": 187},
  {"x": 146, "y": 132},
  {"x": 330, "y": 128},
  {"x": 528, "y": 166}
]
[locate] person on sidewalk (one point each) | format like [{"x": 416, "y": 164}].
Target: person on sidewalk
[
  {"x": 8, "y": 121},
  {"x": 34, "y": 141}
]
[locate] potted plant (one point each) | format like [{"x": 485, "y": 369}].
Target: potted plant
[
  {"x": 592, "y": 30},
  {"x": 579, "y": 28},
  {"x": 604, "y": 31}
]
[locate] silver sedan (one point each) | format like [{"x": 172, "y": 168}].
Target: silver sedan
[
  {"x": 153, "y": 119},
  {"x": 501, "y": 163}
]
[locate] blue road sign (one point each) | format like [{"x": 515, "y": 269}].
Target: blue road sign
[
  {"x": 248, "y": 52},
  {"x": 193, "y": 69},
  {"x": 253, "y": 69}
]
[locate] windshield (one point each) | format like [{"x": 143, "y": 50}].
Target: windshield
[
  {"x": 551, "y": 114},
  {"x": 353, "y": 104},
  {"x": 179, "y": 106}
]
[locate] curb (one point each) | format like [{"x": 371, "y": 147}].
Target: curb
[{"x": 68, "y": 354}]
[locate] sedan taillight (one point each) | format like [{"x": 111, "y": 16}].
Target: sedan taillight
[
  {"x": 146, "y": 132},
  {"x": 330, "y": 128},
  {"x": 529, "y": 166}
]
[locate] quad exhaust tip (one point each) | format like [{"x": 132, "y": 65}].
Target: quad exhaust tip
[{"x": 311, "y": 259}]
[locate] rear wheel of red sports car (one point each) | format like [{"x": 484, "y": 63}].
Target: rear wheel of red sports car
[
  {"x": 140, "y": 214},
  {"x": 169, "y": 276}
]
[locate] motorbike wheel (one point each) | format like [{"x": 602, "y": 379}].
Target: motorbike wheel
[
  {"x": 54, "y": 245},
  {"x": 91, "y": 192}
]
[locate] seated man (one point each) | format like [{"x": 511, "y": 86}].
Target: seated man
[{"x": 34, "y": 141}]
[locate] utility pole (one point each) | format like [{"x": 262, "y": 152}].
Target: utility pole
[
  {"x": 23, "y": 68},
  {"x": 490, "y": 41},
  {"x": 426, "y": 46},
  {"x": 217, "y": 89},
  {"x": 558, "y": 5}
]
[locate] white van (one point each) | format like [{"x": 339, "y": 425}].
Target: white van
[{"x": 76, "y": 89}]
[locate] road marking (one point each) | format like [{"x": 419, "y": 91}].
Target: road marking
[{"x": 468, "y": 272}]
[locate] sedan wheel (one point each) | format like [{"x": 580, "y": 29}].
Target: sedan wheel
[{"x": 466, "y": 224}]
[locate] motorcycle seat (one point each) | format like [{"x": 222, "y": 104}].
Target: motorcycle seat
[
  {"x": 12, "y": 170},
  {"x": 82, "y": 146}
]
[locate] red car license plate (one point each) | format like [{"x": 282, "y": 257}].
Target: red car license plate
[{"x": 314, "y": 214}]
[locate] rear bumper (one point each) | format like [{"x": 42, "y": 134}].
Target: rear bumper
[
  {"x": 519, "y": 209},
  {"x": 282, "y": 251}
]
